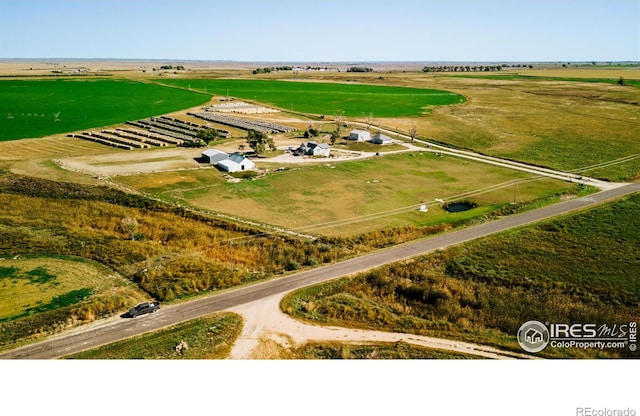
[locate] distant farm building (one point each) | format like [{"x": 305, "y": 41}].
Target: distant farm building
[
  {"x": 313, "y": 149},
  {"x": 359, "y": 135},
  {"x": 380, "y": 138},
  {"x": 236, "y": 163},
  {"x": 214, "y": 156}
]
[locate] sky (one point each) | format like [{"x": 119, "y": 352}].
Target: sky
[{"x": 323, "y": 31}]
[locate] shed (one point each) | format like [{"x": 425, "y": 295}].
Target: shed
[
  {"x": 359, "y": 135},
  {"x": 380, "y": 138},
  {"x": 214, "y": 156},
  {"x": 236, "y": 162}
]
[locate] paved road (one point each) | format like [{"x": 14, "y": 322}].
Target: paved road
[{"x": 116, "y": 329}]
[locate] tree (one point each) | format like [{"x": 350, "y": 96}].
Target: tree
[
  {"x": 368, "y": 121},
  {"x": 412, "y": 133},
  {"x": 334, "y": 136},
  {"x": 131, "y": 225},
  {"x": 337, "y": 119},
  {"x": 310, "y": 132},
  {"x": 621, "y": 81},
  {"x": 207, "y": 135},
  {"x": 259, "y": 141}
]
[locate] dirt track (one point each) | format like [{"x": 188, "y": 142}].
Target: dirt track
[{"x": 265, "y": 321}]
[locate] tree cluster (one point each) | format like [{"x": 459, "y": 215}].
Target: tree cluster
[
  {"x": 168, "y": 67},
  {"x": 269, "y": 69},
  {"x": 259, "y": 141},
  {"x": 208, "y": 135},
  {"x": 310, "y": 132},
  {"x": 472, "y": 68},
  {"x": 359, "y": 69}
]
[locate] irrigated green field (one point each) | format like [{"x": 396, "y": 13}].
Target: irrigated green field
[
  {"x": 36, "y": 108},
  {"x": 350, "y": 100}
]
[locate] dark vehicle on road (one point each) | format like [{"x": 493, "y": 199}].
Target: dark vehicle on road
[{"x": 144, "y": 307}]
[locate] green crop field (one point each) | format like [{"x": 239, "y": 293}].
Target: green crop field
[
  {"x": 37, "y": 108},
  {"x": 352, "y": 100}
]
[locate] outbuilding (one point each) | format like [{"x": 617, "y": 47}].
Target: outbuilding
[
  {"x": 236, "y": 162},
  {"x": 313, "y": 149},
  {"x": 214, "y": 156},
  {"x": 380, "y": 138},
  {"x": 359, "y": 135}
]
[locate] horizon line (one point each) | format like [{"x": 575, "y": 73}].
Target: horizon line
[{"x": 318, "y": 61}]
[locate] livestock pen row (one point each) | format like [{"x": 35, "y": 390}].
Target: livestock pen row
[
  {"x": 128, "y": 139},
  {"x": 144, "y": 133},
  {"x": 241, "y": 123}
]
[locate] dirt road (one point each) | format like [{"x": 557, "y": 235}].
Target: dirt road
[{"x": 264, "y": 320}]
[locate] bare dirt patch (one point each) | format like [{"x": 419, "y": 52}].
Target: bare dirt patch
[{"x": 134, "y": 162}]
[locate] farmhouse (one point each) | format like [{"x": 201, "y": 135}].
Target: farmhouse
[
  {"x": 235, "y": 163},
  {"x": 380, "y": 138},
  {"x": 359, "y": 135},
  {"x": 214, "y": 156},
  {"x": 313, "y": 149}
]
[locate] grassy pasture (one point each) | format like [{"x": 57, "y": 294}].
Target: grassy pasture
[
  {"x": 353, "y": 100},
  {"x": 581, "y": 268},
  {"x": 45, "y": 294},
  {"x": 548, "y": 77},
  {"x": 560, "y": 124},
  {"x": 28, "y": 285},
  {"x": 28, "y": 108},
  {"x": 352, "y": 197}
]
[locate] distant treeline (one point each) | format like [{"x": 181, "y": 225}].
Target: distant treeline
[
  {"x": 268, "y": 69},
  {"x": 168, "y": 67},
  {"x": 359, "y": 69},
  {"x": 472, "y": 68}
]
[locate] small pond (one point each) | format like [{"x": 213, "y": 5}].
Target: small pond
[{"x": 458, "y": 206}]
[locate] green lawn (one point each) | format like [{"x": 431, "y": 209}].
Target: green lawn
[
  {"x": 37, "y": 108},
  {"x": 353, "y": 100}
]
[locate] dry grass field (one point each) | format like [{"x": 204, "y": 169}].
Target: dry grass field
[{"x": 28, "y": 283}]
